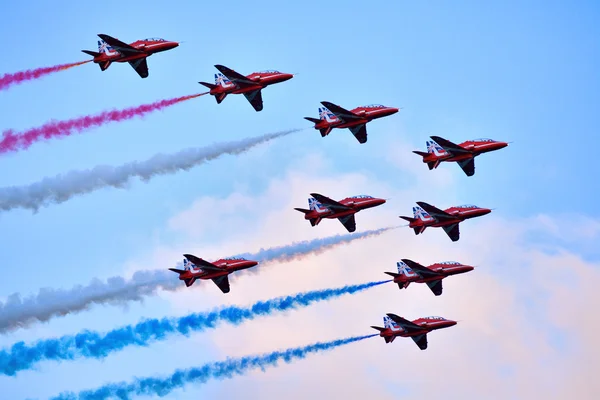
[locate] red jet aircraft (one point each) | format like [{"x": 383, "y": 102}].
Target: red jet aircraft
[
  {"x": 323, "y": 207},
  {"x": 417, "y": 330},
  {"x": 333, "y": 116},
  {"x": 410, "y": 271},
  {"x": 113, "y": 50},
  {"x": 197, "y": 268},
  {"x": 231, "y": 82},
  {"x": 429, "y": 216},
  {"x": 464, "y": 153}
]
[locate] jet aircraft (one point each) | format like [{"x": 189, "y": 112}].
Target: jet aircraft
[
  {"x": 230, "y": 82},
  {"x": 323, "y": 207},
  {"x": 333, "y": 116},
  {"x": 113, "y": 50},
  {"x": 197, "y": 268},
  {"x": 426, "y": 215},
  {"x": 410, "y": 271},
  {"x": 417, "y": 330},
  {"x": 440, "y": 149}
]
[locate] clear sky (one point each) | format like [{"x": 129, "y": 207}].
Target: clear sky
[{"x": 525, "y": 72}]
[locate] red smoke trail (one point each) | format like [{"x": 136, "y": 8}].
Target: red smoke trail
[
  {"x": 12, "y": 141},
  {"x": 8, "y": 80}
]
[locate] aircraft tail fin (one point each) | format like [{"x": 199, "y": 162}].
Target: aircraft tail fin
[
  {"x": 208, "y": 85},
  {"x": 91, "y": 53},
  {"x": 434, "y": 148},
  {"x": 222, "y": 80},
  {"x": 405, "y": 270},
  {"x": 104, "y": 47},
  {"x": 421, "y": 214},
  {"x": 326, "y": 115}
]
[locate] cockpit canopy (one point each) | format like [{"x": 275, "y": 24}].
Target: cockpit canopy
[
  {"x": 269, "y": 71},
  {"x": 438, "y": 318},
  {"x": 362, "y": 196},
  {"x": 483, "y": 140},
  {"x": 155, "y": 40},
  {"x": 468, "y": 206},
  {"x": 450, "y": 263},
  {"x": 234, "y": 258},
  {"x": 374, "y": 106}
]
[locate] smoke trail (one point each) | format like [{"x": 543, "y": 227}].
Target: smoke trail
[
  {"x": 94, "y": 345},
  {"x": 215, "y": 370},
  {"x": 19, "y": 312},
  {"x": 8, "y": 80},
  {"x": 13, "y": 141},
  {"x": 62, "y": 187}
]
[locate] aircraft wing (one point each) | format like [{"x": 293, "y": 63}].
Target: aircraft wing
[
  {"x": 141, "y": 67},
  {"x": 468, "y": 166},
  {"x": 448, "y": 145},
  {"x": 421, "y": 341},
  {"x": 452, "y": 231},
  {"x": 349, "y": 222},
  {"x": 340, "y": 112},
  {"x": 235, "y": 77},
  {"x": 329, "y": 203},
  {"x": 205, "y": 265},
  {"x": 436, "y": 287},
  {"x": 360, "y": 132},
  {"x": 119, "y": 46},
  {"x": 435, "y": 212},
  {"x": 223, "y": 283},
  {"x": 255, "y": 98},
  {"x": 421, "y": 270},
  {"x": 405, "y": 324}
]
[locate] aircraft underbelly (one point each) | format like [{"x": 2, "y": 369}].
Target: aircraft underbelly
[
  {"x": 247, "y": 89},
  {"x": 352, "y": 124}
]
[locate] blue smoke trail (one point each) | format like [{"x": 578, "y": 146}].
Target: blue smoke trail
[
  {"x": 95, "y": 345},
  {"x": 215, "y": 370},
  {"x": 17, "y": 311}
]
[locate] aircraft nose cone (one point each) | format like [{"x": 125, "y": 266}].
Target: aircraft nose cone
[
  {"x": 485, "y": 211},
  {"x": 285, "y": 77},
  {"x": 380, "y": 201},
  {"x": 468, "y": 268},
  {"x": 451, "y": 323},
  {"x": 393, "y": 110}
]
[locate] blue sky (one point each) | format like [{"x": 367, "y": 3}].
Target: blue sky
[{"x": 526, "y": 73}]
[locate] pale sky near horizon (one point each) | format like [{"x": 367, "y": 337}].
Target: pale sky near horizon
[{"x": 524, "y": 72}]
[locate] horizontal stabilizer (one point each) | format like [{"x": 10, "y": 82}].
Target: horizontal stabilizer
[
  {"x": 380, "y": 329},
  {"x": 409, "y": 219},
  {"x": 91, "y": 53},
  {"x": 315, "y": 120},
  {"x": 208, "y": 85},
  {"x": 392, "y": 274},
  {"x": 205, "y": 265},
  {"x": 302, "y": 210},
  {"x": 179, "y": 271},
  {"x": 421, "y": 153}
]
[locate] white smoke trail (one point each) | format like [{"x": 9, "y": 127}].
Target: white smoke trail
[
  {"x": 19, "y": 312},
  {"x": 62, "y": 187}
]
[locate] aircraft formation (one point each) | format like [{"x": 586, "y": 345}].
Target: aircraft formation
[
  {"x": 320, "y": 207},
  {"x": 330, "y": 116}
]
